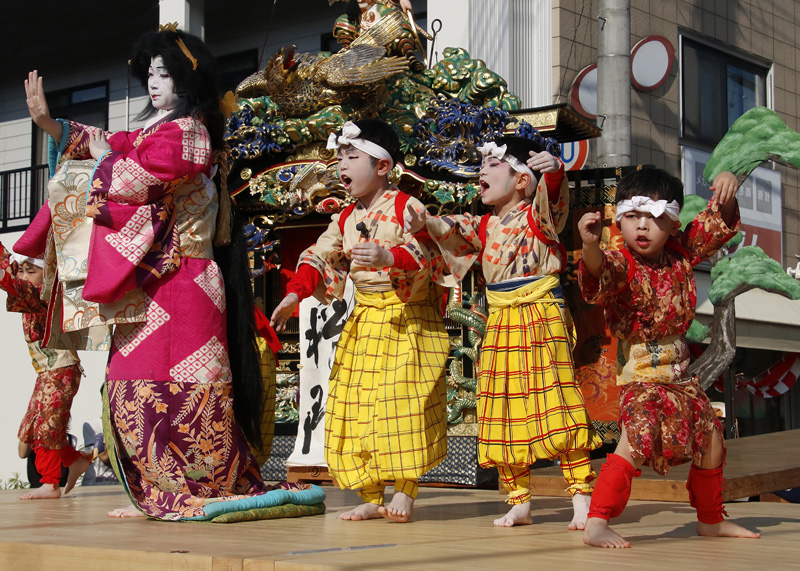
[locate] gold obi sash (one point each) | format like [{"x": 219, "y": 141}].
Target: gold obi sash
[
  {"x": 533, "y": 292},
  {"x": 662, "y": 361},
  {"x": 383, "y": 299}
]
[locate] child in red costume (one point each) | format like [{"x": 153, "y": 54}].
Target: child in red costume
[
  {"x": 44, "y": 426},
  {"x": 649, "y": 296}
]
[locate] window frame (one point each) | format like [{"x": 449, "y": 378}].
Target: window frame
[
  {"x": 747, "y": 60},
  {"x": 39, "y": 138}
]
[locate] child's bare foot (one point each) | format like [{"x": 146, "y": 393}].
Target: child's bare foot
[
  {"x": 45, "y": 492},
  {"x": 362, "y": 512},
  {"x": 129, "y": 511},
  {"x": 725, "y": 529},
  {"x": 598, "y": 534},
  {"x": 400, "y": 509},
  {"x": 76, "y": 470},
  {"x": 580, "y": 509},
  {"x": 519, "y": 514}
]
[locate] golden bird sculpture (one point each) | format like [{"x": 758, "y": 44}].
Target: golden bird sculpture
[{"x": 303, "y": 83}]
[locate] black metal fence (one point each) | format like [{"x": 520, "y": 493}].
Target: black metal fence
[{"x": 22, "y": 192}]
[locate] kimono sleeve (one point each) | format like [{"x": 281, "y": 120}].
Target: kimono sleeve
[
  {"x": 328, "y": 258},
  {"x": 707, "y": 233},
  {"x": 134, "y": 238},
  {"x": 458, "y": 243},
  {"x": 74, "y": 143},
  {"x": 616, "y": 271},
  {"x": 23, "y": 297}
]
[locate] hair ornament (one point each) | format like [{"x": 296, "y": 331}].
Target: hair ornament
[{"x": 173, "y": 27}]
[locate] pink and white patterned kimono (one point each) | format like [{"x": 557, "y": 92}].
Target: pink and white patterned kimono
[{"x": 169, "y": 380}]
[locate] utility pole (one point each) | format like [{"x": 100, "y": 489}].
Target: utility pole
[{"x": 614, "y": 83}]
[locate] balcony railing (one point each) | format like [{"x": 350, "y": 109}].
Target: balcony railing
[{"x": 22, "y": 192}]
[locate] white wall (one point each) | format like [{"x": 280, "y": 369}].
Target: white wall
[{"x": 17, "y": 379}]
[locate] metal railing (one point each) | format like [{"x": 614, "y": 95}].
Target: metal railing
[{"x": 22, "y": 192}]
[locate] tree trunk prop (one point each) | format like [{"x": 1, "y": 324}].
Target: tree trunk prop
[{"x": 722, "y": 348}]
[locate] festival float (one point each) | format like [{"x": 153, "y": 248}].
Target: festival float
[{"x": 285, "y": 180}]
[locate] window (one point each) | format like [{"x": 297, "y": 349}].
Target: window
[
  {"x": 87, "y": 104},
  {"x": 718, "y": 86}
]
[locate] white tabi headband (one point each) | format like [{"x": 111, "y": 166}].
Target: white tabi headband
[
  {"x": 350, "y": 136},
  {"x": 500, "y": 154},
  {"x": 646, "y": 205},
  {"x": 20, "y": 259}
]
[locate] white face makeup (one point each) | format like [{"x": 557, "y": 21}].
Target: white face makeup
[
  {"x": 357, "y": 173},
  {"x": 497, "y": 181},
  {"x": 160, "y": 86}
]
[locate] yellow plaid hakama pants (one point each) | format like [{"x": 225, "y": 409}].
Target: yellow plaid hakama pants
[
  {"x": 529, "y": 405},
  {"x": 385, "y": 418}
]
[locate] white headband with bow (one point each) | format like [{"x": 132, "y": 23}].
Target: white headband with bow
[
  {"x": 350, "y": 137},
  {"x": 646, "y": 205},
  {"x": 500, "y": 154},
  {"x": 20, "y": 259}
]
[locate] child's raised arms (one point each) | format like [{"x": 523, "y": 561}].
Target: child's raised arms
[
  {"x": 724, "y": 187},
  {"x": 543, "y": 162},
  {"x": 590, "y": 226}
]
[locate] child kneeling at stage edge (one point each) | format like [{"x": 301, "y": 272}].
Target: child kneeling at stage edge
[
  {"x": 385, "y": 415},
  {"x": 530, "y": 406},
  {"x": 649, "y": 295}
]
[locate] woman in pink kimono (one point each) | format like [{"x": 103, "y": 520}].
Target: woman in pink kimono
[{"x": 170, "y": 382}]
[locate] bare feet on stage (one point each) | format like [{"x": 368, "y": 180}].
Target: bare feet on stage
[
  {"x": 725, "y": 529},
  {"x": 519, "y": 514},
  {"x": 129, "y": 511},
  {"x": 76, "y": 470},
  {"x": 45, "y": 492},
  {"x": 362, "y": 512},
  {"x": 400, "y": 509},
  {"x": 598, "y": 534},
  {"x": 580, "y": 509}
]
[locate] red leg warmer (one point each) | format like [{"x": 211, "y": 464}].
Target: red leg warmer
[
  {"x": 705, "y": 494},
  {"x": 49, "y": 461},
  {"x": 612, "y": 488},
  {"x": 48, "y": 464}
]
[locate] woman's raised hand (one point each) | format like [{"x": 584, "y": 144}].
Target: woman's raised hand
[{"x": 37, "y": 105}]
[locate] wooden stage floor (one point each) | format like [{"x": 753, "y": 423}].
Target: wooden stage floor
[
  {"x": 452, "y": 530},
  {"x": 755, "y": 465}
]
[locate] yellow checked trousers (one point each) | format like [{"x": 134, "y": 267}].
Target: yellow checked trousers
[
  {"x": 529, "y": 405},
  {"x": 386, "y": 418}
]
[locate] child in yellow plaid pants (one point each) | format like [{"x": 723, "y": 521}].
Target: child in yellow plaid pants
[
  {"x": 385, "y": 416},
  {"x": 529, "y": 404}
]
